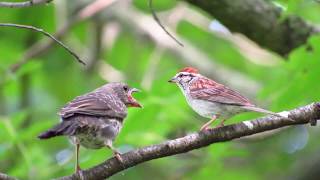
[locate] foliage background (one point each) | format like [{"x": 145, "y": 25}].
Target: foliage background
[{"x": 116, "y": 49}]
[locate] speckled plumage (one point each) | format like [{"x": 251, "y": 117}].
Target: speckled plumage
[
  {"x": 211, "y": 99},
  {"x": 95, "y": 132},
  {"x": 93, "y": 120}
]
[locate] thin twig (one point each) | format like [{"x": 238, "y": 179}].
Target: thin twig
[
  {"x": 41, "y": 47},
  {"x": 191, "y": 55},
  {"x": 23, "y": 4},
  {"x": 301, "y": 115},
  {"x": 155, "y": 17},
  {"x": 46, "y": 34}
]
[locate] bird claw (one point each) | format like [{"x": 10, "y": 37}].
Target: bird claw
[
  {"x": 117, "y": 154},
  {"x": 118, "y": 157},
  {"x": 219, "y": 126},
  {"x": 313, "y": 122},
  {"x": 204, "y": 128},
  {"x": 78, "y": 169},
  {"x": 79, "y": 173}
]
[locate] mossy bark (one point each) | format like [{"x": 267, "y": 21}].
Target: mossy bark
[{"x": 261, "y": 21}]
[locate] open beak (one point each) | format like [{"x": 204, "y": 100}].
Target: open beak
[
  {"x": 134, "y": 102},
  {"x": 173, "y": 80},
  {"x": 132, "y": 90}
]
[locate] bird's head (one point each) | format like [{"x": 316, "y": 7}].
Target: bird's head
[
  {"x": 184, "y": 76},
  {"x": 124, "y": 92}
]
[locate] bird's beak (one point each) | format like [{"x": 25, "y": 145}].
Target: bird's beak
[
  {"x": 132, "y": 90},
  {"x": 173, "y": 80},
  {"x": 134, "y": 102}
]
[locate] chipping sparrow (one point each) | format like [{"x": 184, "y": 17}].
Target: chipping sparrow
[
  {"x": 211, "y": 99},
  {"x": 93, "y": 120}
]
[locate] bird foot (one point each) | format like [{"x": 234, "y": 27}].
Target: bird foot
[
  {"x": 219, "y": 126},
  {"x": 78, "y": 169},
  {"x": 79, "y": 173},
  {"x": 117, "y": 155},
  {"x": 206, "y": 128}
]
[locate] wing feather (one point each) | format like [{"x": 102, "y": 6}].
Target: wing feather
[
  {"x": 207, "y": 89},
  {"x": 95, "y": 104}
]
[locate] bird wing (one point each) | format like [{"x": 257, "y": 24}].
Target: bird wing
[
  {"x": 209, "y": 90},
  {"x": 95, "y": 104}
]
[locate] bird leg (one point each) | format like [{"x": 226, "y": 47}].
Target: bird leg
[
  {"x": 206, "y": 125},
  {"x": 77, "y": 167},
  {"x": 221, "y": 123},
  {"x": 115, "y": 152}
]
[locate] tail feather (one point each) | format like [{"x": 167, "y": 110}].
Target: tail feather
[
  {"x": 71, "y": 129},
  {"x": 48, "y": 134},
  {"x": 64, "y": 128},
  {"x": 257, "y": 109}
]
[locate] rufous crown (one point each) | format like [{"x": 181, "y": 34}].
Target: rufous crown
[{"x": 189, "y": 70}]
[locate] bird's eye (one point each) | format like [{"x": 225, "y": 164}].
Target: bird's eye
[
  {"x": 180, "y": 75},
  {"x": 125, "y": 88}
]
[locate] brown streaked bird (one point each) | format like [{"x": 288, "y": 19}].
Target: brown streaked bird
[
  {"x": 211, "y": 99},
  {"x": 93, "y": 120}
]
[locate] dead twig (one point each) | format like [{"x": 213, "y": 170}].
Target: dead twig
[
  {"x": 41, "y": 47},
  {"x": 32, "y": 28},
  {"x": 155, "y": 17}
]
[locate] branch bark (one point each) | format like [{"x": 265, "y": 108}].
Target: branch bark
[
  {"x": 6, "y": 177},
  {"x": 302, "y": 115},
  {"x": 23, "y": 4},
  {"x": 261, "y": 21}
]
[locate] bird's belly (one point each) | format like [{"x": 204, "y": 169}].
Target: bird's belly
[
  {"x": 204, "y": 108},
  {"x": 91, "y": 140},
  {"x": 99, "y": 134},
  {"x": 209, "y": 109}
]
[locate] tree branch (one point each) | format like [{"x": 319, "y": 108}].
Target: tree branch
[
  {"x": 302, "y": 115},
  {"x": 23, "y": 4},
  {"x": 261, "y": 21},
  {"x": 42, "y": 46},
  {"x": 6, "y": 177},
  {"x": 46, "y": 34},
  {"x": 142, "y": 24},
  {"x": 155, "y": 17}
]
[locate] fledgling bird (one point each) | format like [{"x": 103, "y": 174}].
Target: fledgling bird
[
  {"x": 211, "y": 99},
  {"x": 93, "y": 120}
]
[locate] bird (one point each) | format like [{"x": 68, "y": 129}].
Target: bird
[
  {"x": 211, "y": 99},
  {"x": 93, "y": 120}
]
